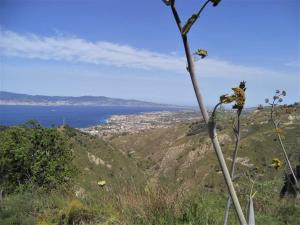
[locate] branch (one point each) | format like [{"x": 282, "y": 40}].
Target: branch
[
  {"x": 276, "y": 124},
  {"x": 176, "y": 16},
  {"x": 286, "y": 156}
]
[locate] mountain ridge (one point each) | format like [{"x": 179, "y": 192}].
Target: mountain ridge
[{"x": 10, "y": 98}]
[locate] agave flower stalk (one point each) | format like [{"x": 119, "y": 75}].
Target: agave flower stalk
[
  {"x": 239, "y": 98},
  {"x": 237, "y": 134},
  {"x": 277, "y": 98},
  {"x": 211, "y": 123}
]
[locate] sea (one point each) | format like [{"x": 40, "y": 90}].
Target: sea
[{"x": 75, "y": 116}]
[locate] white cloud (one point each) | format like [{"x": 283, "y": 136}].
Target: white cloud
[
  {"x": 72, "y": 48},
  {"x": 80, "y": 50}
]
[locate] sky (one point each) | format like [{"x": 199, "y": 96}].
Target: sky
[{"x": 133, "y": 49}]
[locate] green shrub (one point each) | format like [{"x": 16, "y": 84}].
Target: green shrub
[{"x": 32, "y": 155}]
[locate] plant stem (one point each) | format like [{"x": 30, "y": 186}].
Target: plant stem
[
  {"x": 275, "y": 124},
  {"x": 234, "y": 157},
  {"x": 211, "y": 124},
  {"x": 286, "y": 156}
]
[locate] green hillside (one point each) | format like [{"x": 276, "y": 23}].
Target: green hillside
[{"x": 161, "y": 176}]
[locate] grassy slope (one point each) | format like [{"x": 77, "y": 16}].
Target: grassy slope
[
  {"x": 173, "y": 154},
  {"x": 186, "y": 163},
  {"x": 96, "y": 160}
]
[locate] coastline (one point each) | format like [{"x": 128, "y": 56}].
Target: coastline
[{"x": 137, "y": 123}]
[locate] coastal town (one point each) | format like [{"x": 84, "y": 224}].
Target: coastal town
[{"x": 128, "y": 124}]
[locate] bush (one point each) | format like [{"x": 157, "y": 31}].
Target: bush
[{"x": 32, "y": 155}]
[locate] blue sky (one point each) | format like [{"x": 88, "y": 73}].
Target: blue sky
[{"x": 133, "y": 50}]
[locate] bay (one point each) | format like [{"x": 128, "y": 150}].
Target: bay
[{"x": 75, "y": 116}]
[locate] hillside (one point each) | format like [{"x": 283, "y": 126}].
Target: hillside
[
  {"x": 9, "y": 98},
  {"x": 182, "y": 156},
  {"x": 171, "y": 176}
]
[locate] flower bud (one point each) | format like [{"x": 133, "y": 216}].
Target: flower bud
[
  {"x": 167, "y": 2},
  {"x": 215, "y": 2},
  {"x": 201, "y": 52}
]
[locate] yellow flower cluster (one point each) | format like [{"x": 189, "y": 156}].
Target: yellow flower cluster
[
  {"x": 276, "y": 163},
  {"x": 238, "y": 97}
]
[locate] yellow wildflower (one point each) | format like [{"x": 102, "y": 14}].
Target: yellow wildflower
[
  {"x": 239, "y": 94},
  {"x": 238, "y": 97},
  {"x": 102, "y": 183},
  {"x": 226, "y": 98},
  {"x": 276, "y": 163}
]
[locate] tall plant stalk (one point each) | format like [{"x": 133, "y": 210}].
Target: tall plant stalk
[
  {"x": 237, "y": 134},
  {"x": 211, "y": 122},
  {"x": 276, "y": 126}
]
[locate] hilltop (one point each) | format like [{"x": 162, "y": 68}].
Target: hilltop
[{"x": 9, "y": 98}]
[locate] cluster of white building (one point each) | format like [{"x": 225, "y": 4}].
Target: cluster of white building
[{"x": 124, "y": 124}]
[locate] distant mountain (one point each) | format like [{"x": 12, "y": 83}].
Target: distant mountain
[{"x": 9, "y": 98}]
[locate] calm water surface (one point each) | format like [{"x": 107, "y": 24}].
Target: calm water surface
[{"x": 75, "y": 116}]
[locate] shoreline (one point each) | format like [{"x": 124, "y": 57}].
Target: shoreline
[
  {"x": 137, "y": 123},
  {"x": 75, "y": 116}
]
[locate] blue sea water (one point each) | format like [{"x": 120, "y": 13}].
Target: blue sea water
[{"x": 75, "y": 116}]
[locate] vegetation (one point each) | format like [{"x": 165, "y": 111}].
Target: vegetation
[
  {"x": 168, "y": 179},
  {"x": 166, "y": 176},
  {"x": 275, "y": 119},
  {"x": 34, "y": 156}
]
